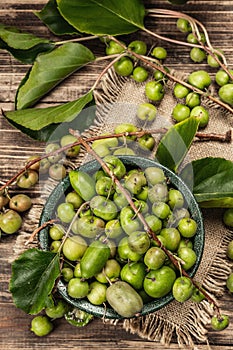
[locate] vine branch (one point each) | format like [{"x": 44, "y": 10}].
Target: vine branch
[{"x": 227, "y": 137}]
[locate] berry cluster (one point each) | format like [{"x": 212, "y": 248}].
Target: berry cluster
[
  {"x": 189, "y": 102},
  {"x": 11, "y": 210},
  {"x": 199, "y": 55},
  {"x": 108, "y": 243}
]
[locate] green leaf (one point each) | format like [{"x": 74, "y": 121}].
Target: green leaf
[
  {"x": 176, "y": 142},
  {"x": 212, "y": 181},
  {"x": 19, "y": 40},
  {"x": 51, "y": 17},
  {"x": 33, "y": 277},
  {"x": 40, "y": 123},
  {"x": 49, "y": 69},
  {"x": 103, "y": 17},
  {"x": 23, "y": 46}
]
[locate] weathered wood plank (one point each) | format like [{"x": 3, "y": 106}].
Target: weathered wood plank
[{"x": 15, "y": 329}]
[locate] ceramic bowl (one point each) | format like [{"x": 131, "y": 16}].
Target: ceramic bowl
[{"x": 130, "y": 162}]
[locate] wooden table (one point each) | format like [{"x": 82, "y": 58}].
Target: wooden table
[{"x": 16, "y": 147}]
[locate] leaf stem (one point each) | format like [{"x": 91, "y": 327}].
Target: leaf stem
[
  {"x": 84, "y": 38},
  {"x": 104, "y": 71},
  {"x": 174, "y": 41},
  {"x": 103, "y": 58}
]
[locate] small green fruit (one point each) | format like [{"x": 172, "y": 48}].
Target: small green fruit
[
  {"x": 201, "y": 114},
  {"x": 197, "y": 55},
  {"x": 113, "y": 48},
  {"x": 65, "y": 212},
  {"x": 229, "y": 282},
  {"x": 180, "y": 91},
  {"x": 134, "y": 273},
  {"x": 138, "y": 46},
  {"x": 212, "y": 61},
  {"x": 154, "y": 90},
  {"x": 74, "y": 248},
  {"x": 77, "y": 288},
  {"x": 158, "y": 283},
  {"x": 10, "y": 222},
  {"x": 124, "y": 299},
  {"x": 159, "y": 52},
  {"x": 97, "y": 293},
  {"x": 230, "y": 250},
  {"x": 200, "y": 79},
  {"x": 58, "y": 310},
  {"x": 228, "y": 217},
  {"x": 41, "y": 325},
  {"x": 68, "y": 140},
  {"x": 140, "y": 74},
  {"x": 146, "y": 111},
  {"x": 188, "y": 257},
  {"x": 182, "y": 24},
  {"x": 180, "y": 112},
  {"x": 197, "y": 296},
  {"x": 182, "y": 289},
  {"x": 192, "y": 100},
  {"x": 154, "y": 258},
  {"x": 226, "y": 93},
  {"x": 20, "y": 202},
  {"x": 219, "y": 323},
  {"x": 124, "y": 66}
]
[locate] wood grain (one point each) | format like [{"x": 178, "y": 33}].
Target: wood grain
[{"x": 15, "y": 147}]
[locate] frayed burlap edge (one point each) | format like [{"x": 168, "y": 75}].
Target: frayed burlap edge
[{"x": 156, "y": 326}]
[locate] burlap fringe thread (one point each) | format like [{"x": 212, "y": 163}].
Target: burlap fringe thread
[{"x": 157, "y": 326}]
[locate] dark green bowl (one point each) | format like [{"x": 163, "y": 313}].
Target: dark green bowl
[{"x": 58, "y": 194}]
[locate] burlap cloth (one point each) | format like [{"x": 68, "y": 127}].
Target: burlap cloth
[{"x": 117, "y": 99}]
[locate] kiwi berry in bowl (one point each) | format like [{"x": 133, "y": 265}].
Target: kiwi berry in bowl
[{"x": 117, "y": 269}]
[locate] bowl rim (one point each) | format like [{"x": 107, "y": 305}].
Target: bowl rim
[{"x": 92, "y": 166}]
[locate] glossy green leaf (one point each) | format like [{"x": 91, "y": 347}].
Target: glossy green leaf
[
  {"x": 51, "y": 17},
  {"x": 19, "y": 40},
  {"x": 41, "y": 122},
  {"x": 50, "y": 69},
  {"x": 103, "y": 17},
  {"x": 23, "y": 46},
  {"x": 41, "y": 135},
  {"x": 54, "y": 132},
  {"x": 33, "y": 277},
  {"x": 212, "y": 181},
  {"x": 175, "y": 144}
]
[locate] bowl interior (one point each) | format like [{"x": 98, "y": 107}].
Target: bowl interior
[{"x": 130, "y": 161}]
